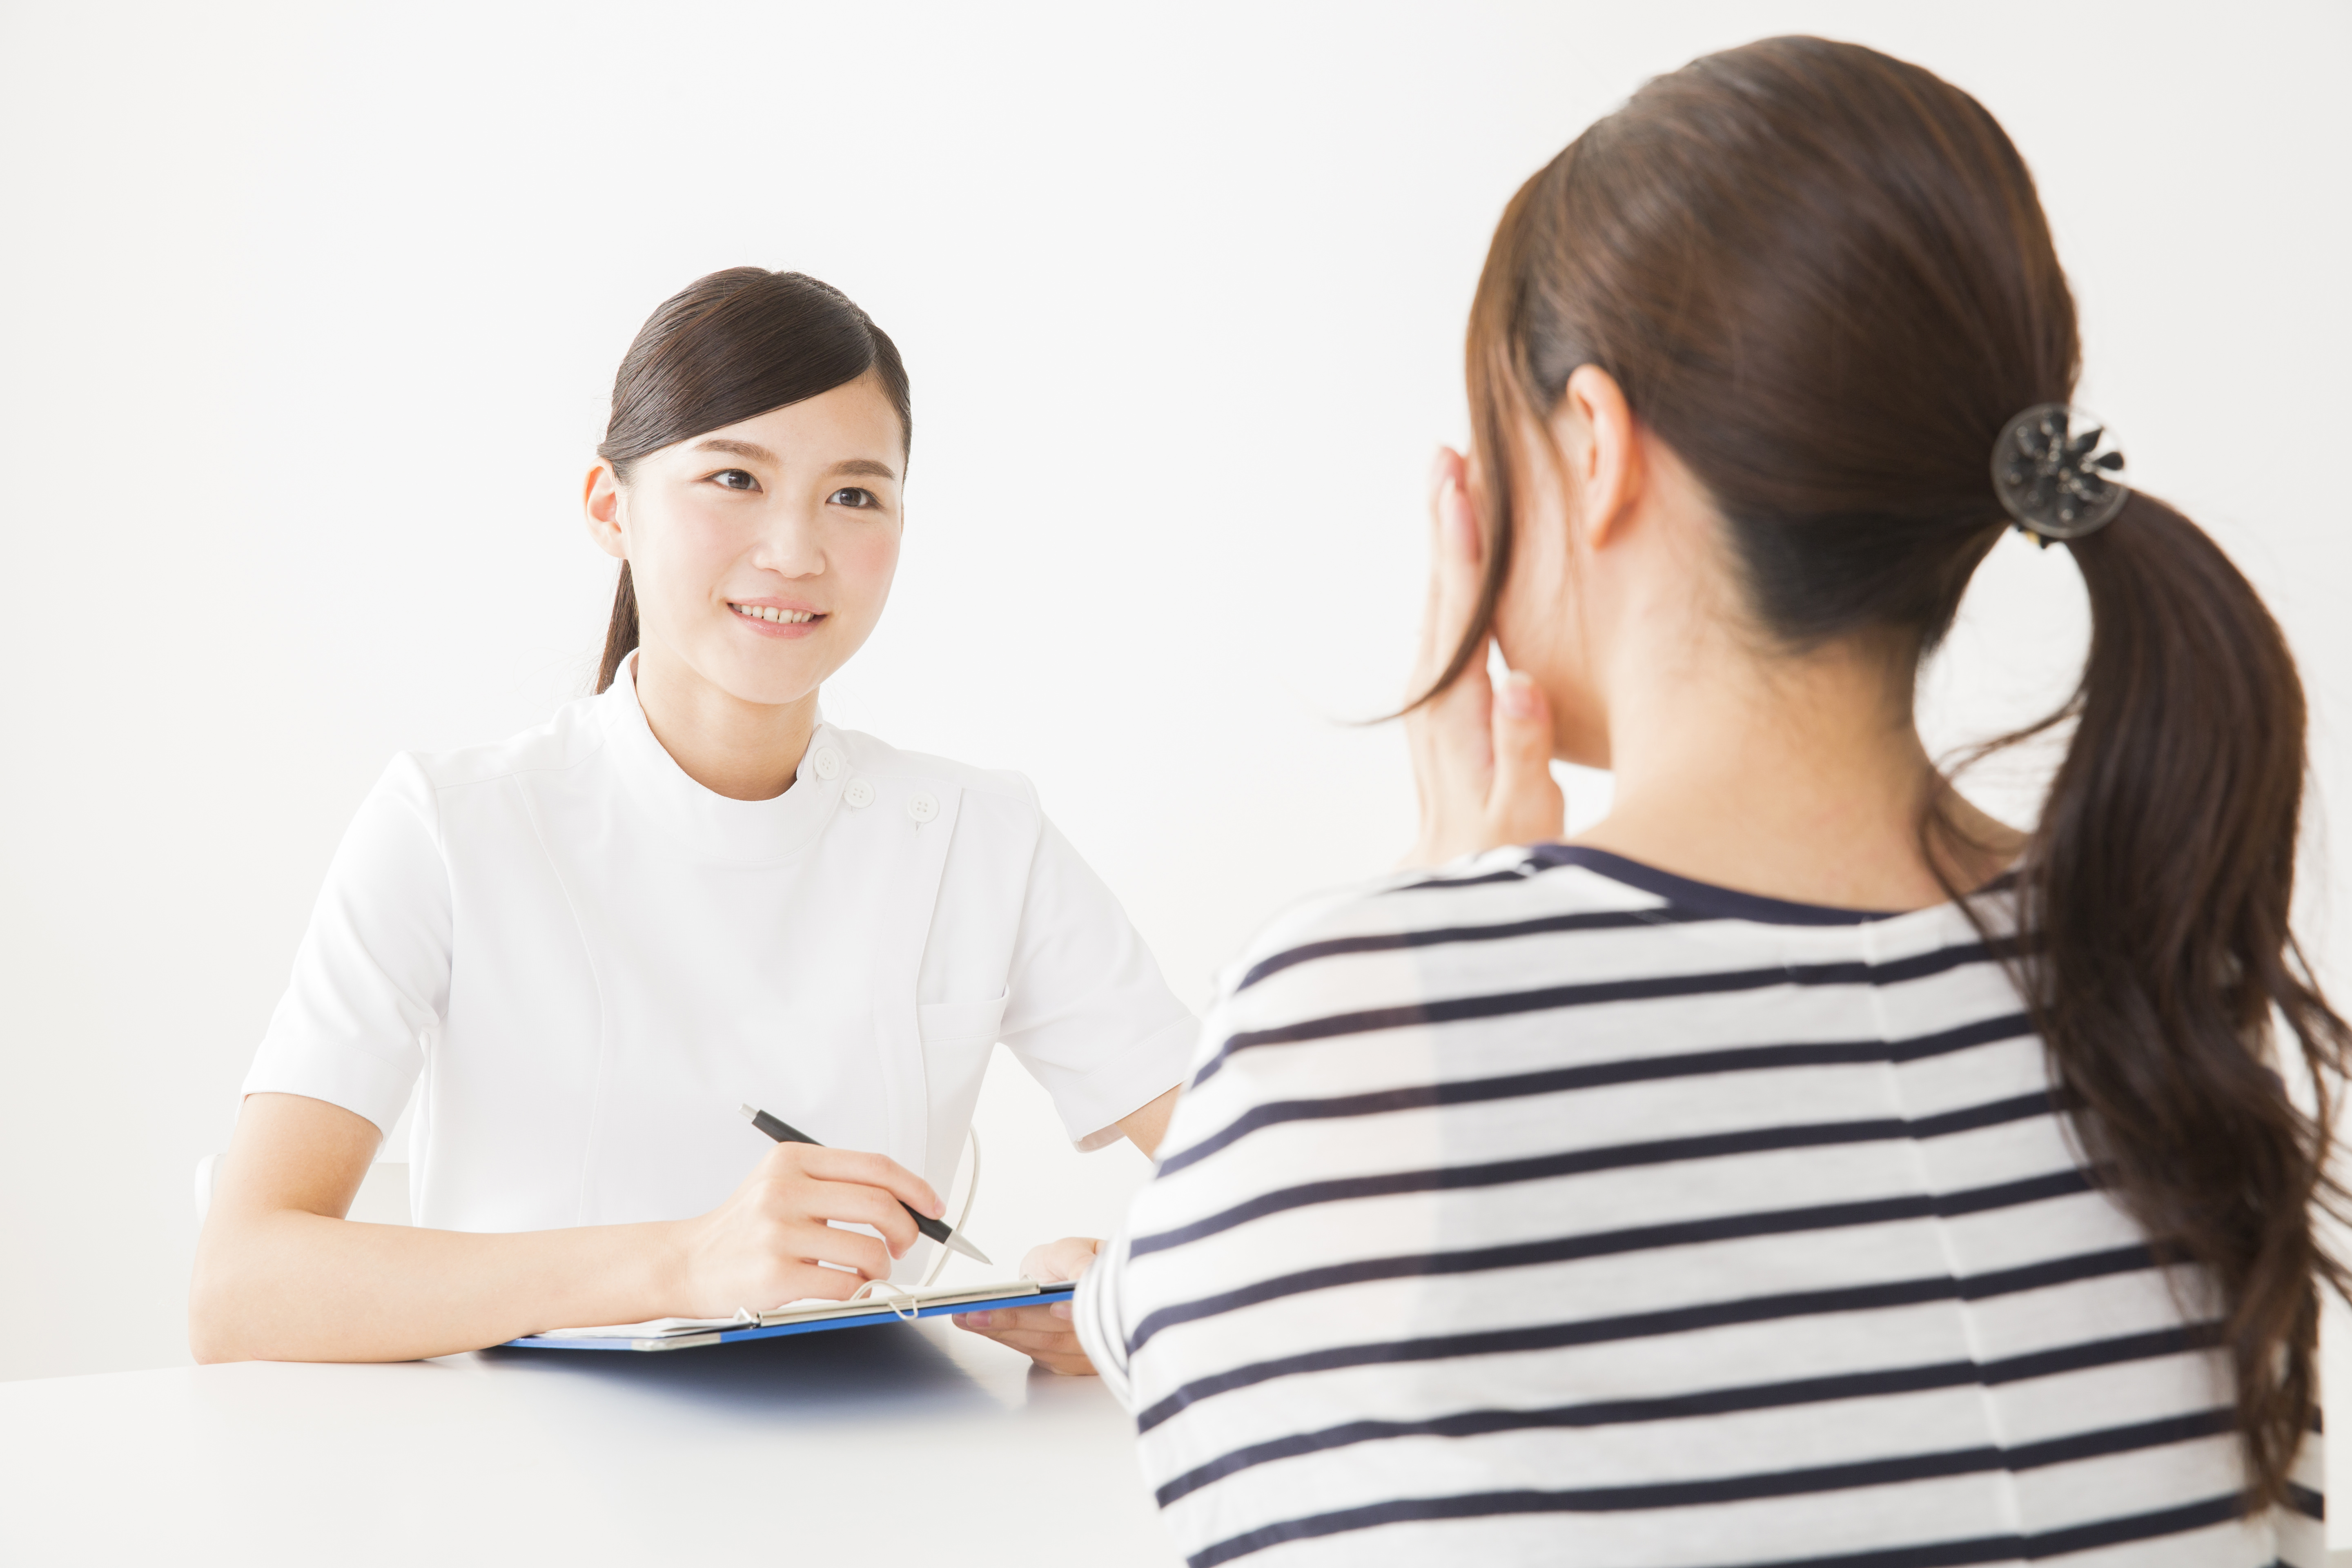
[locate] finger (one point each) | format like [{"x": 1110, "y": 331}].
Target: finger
[
  {"x": 1443, "y": 462},
  {"x": 1452, "y": 583},
  {"x": 1054, "y": 1260},
  {"x": 1031, "y": 1342},
  {"x": 1454, "y": 761},
  {"x": 1455, "y": 559},
  {"x": 809, "y": 1282},
  {"x": 1041, "y": 1346},
  {"x": 1524, "y": 802},
  {"x": 1038, "y": 1319},
  {"x": 867, "y": 1170},
  {"x": 1055, "y": 1352},
  {"x": 1460, "y": 729},
  {"x": 814, "y": 1242},
  {"x": 854, "y": 1204},
  {"x": 1440, "y": 621},
  {"x": 1445, "y": 468},
  {"x": 1461, "y": 709}
]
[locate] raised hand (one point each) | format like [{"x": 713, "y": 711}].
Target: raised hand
[{"x": 1481, "y": 758}]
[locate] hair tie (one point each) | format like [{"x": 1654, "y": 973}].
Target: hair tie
[{"x": 2057, "y": 484}]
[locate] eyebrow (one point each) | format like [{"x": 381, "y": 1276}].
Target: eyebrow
[
  {"x": 863, "y": 467},
  {"x": 740, "y": 449}
]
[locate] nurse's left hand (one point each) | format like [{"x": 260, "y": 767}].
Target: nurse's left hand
[{"x": 1045, "y": 1334}]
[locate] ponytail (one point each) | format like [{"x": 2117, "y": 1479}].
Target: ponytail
[
  {"x": 2159, "y": 961},
  {"x": 620, "y": 633}
]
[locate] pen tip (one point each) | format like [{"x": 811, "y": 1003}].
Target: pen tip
[{"x": 748, "y": 1114}]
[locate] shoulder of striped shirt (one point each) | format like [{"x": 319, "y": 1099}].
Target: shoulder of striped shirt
[
  {"x": 1472, "y": 896},
  {"x": 1331, "y": 911},
  {"x": 1505, "y": 893}
]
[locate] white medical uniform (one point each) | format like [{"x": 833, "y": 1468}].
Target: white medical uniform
[{"x": 591, "y": 961}]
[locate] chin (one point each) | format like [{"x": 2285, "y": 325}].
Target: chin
[
  {"x": 1579, "y": 735},
  {"x": 768, "y": 683},
  {"x": 775, "y": 693}
]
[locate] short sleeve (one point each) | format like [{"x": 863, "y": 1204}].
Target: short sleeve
[
  {"x": 1086, "y": 1011},
  {"x": 373, "y": 973}
]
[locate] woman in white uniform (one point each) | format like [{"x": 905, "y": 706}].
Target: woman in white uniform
[{"x": 582, "y": 949}]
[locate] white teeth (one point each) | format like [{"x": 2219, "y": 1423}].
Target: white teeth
[{"x": 769, "y": 612}]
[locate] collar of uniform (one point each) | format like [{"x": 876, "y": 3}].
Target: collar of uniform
[{"x": 714, "y": 826}]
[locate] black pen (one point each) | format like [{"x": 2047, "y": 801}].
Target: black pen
[{"x": 937, "y": 1229}]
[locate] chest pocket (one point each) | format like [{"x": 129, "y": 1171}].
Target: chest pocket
[{"x": 962, "y": 1023}]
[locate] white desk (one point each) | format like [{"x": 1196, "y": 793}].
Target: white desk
[{"x": 906, "y": 1440}]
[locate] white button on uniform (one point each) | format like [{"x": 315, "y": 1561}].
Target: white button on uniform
[
  {"x": 827, "y": 764},
  {"x": 859, "y": 791},
  {"x": 922, "y": 805}
]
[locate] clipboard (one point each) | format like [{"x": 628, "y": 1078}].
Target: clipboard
[{"x": 886, "y": 1305}]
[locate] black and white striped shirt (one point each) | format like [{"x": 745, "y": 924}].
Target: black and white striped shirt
[{"x": 1555, "y": 1209}]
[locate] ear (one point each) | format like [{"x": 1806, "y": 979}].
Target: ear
[
  {"x": 1593, "y": 427},
  {"x": 600, "y": 502}
]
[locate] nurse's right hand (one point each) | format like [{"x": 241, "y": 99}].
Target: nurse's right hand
[{"x": 764, "y": 1246}]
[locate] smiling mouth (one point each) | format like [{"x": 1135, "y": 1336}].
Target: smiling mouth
[{"x": 771, "y": 614}]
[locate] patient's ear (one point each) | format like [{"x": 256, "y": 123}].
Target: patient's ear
[
  {"x": 1595, "y": 432},
  {"x": 600, "y": 502}
]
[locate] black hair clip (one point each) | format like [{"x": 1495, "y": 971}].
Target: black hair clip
[{"x": 2058, "y": 484}]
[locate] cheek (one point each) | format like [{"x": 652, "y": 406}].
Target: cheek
[
  {"x": 1535, "y": 614},
  {"x": 866, "y": 561},
  {"x": 680, "y": 551},
  {"x": 1525, "y": 623}
]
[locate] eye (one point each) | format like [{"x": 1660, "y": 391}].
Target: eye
[
  {"x": 851, "y": 496},
  {"x": 734, "y": 480}
]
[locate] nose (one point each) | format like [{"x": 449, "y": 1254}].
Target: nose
[{"x": 788, "y": 542}]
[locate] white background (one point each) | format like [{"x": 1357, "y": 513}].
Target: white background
[{"x": 309, "y": 313}]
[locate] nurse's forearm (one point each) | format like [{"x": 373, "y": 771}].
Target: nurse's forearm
[
  {"x": 289, "y": 1286},
  {"x": 281, "y": 1277},
  {"x": 1145, "y": 1128}
]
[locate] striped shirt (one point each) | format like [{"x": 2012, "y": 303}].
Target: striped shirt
[{"x": 1554, "y": 1209}]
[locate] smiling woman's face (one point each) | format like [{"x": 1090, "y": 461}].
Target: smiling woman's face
[{"x": 761, "y": 553}]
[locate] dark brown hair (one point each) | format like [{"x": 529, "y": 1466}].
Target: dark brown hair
[
  {"x": 1823, "y": 279},
  {"x": 725, "y": 348}
]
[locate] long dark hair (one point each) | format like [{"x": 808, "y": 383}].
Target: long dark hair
[
  {"x": 1823, "y": 278},
  {"x": 724, "y": 348}
]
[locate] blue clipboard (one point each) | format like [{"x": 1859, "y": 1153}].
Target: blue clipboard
[{"x": 1044, "y": 1296}]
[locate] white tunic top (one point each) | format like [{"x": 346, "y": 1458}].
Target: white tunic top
[{"x": 592, "y": 961}]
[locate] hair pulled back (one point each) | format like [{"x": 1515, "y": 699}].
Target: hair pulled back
[
  {"x": 725, "y": 348},
  {"x": 1823, "y": 278}
]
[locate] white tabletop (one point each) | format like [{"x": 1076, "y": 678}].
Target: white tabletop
[{"x": 911, "y": 1440}]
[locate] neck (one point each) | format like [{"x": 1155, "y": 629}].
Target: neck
[
  {"x": 744, "y": 751},
  {"x": 1800, "y": 778}
]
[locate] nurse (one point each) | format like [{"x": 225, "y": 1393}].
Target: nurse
[{"x": 582, "y": 948}]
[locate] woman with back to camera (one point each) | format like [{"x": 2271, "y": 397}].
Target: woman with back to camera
[
  {"x": 1724, "y": 1186},
  {"x": 593, "y": 941}
]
